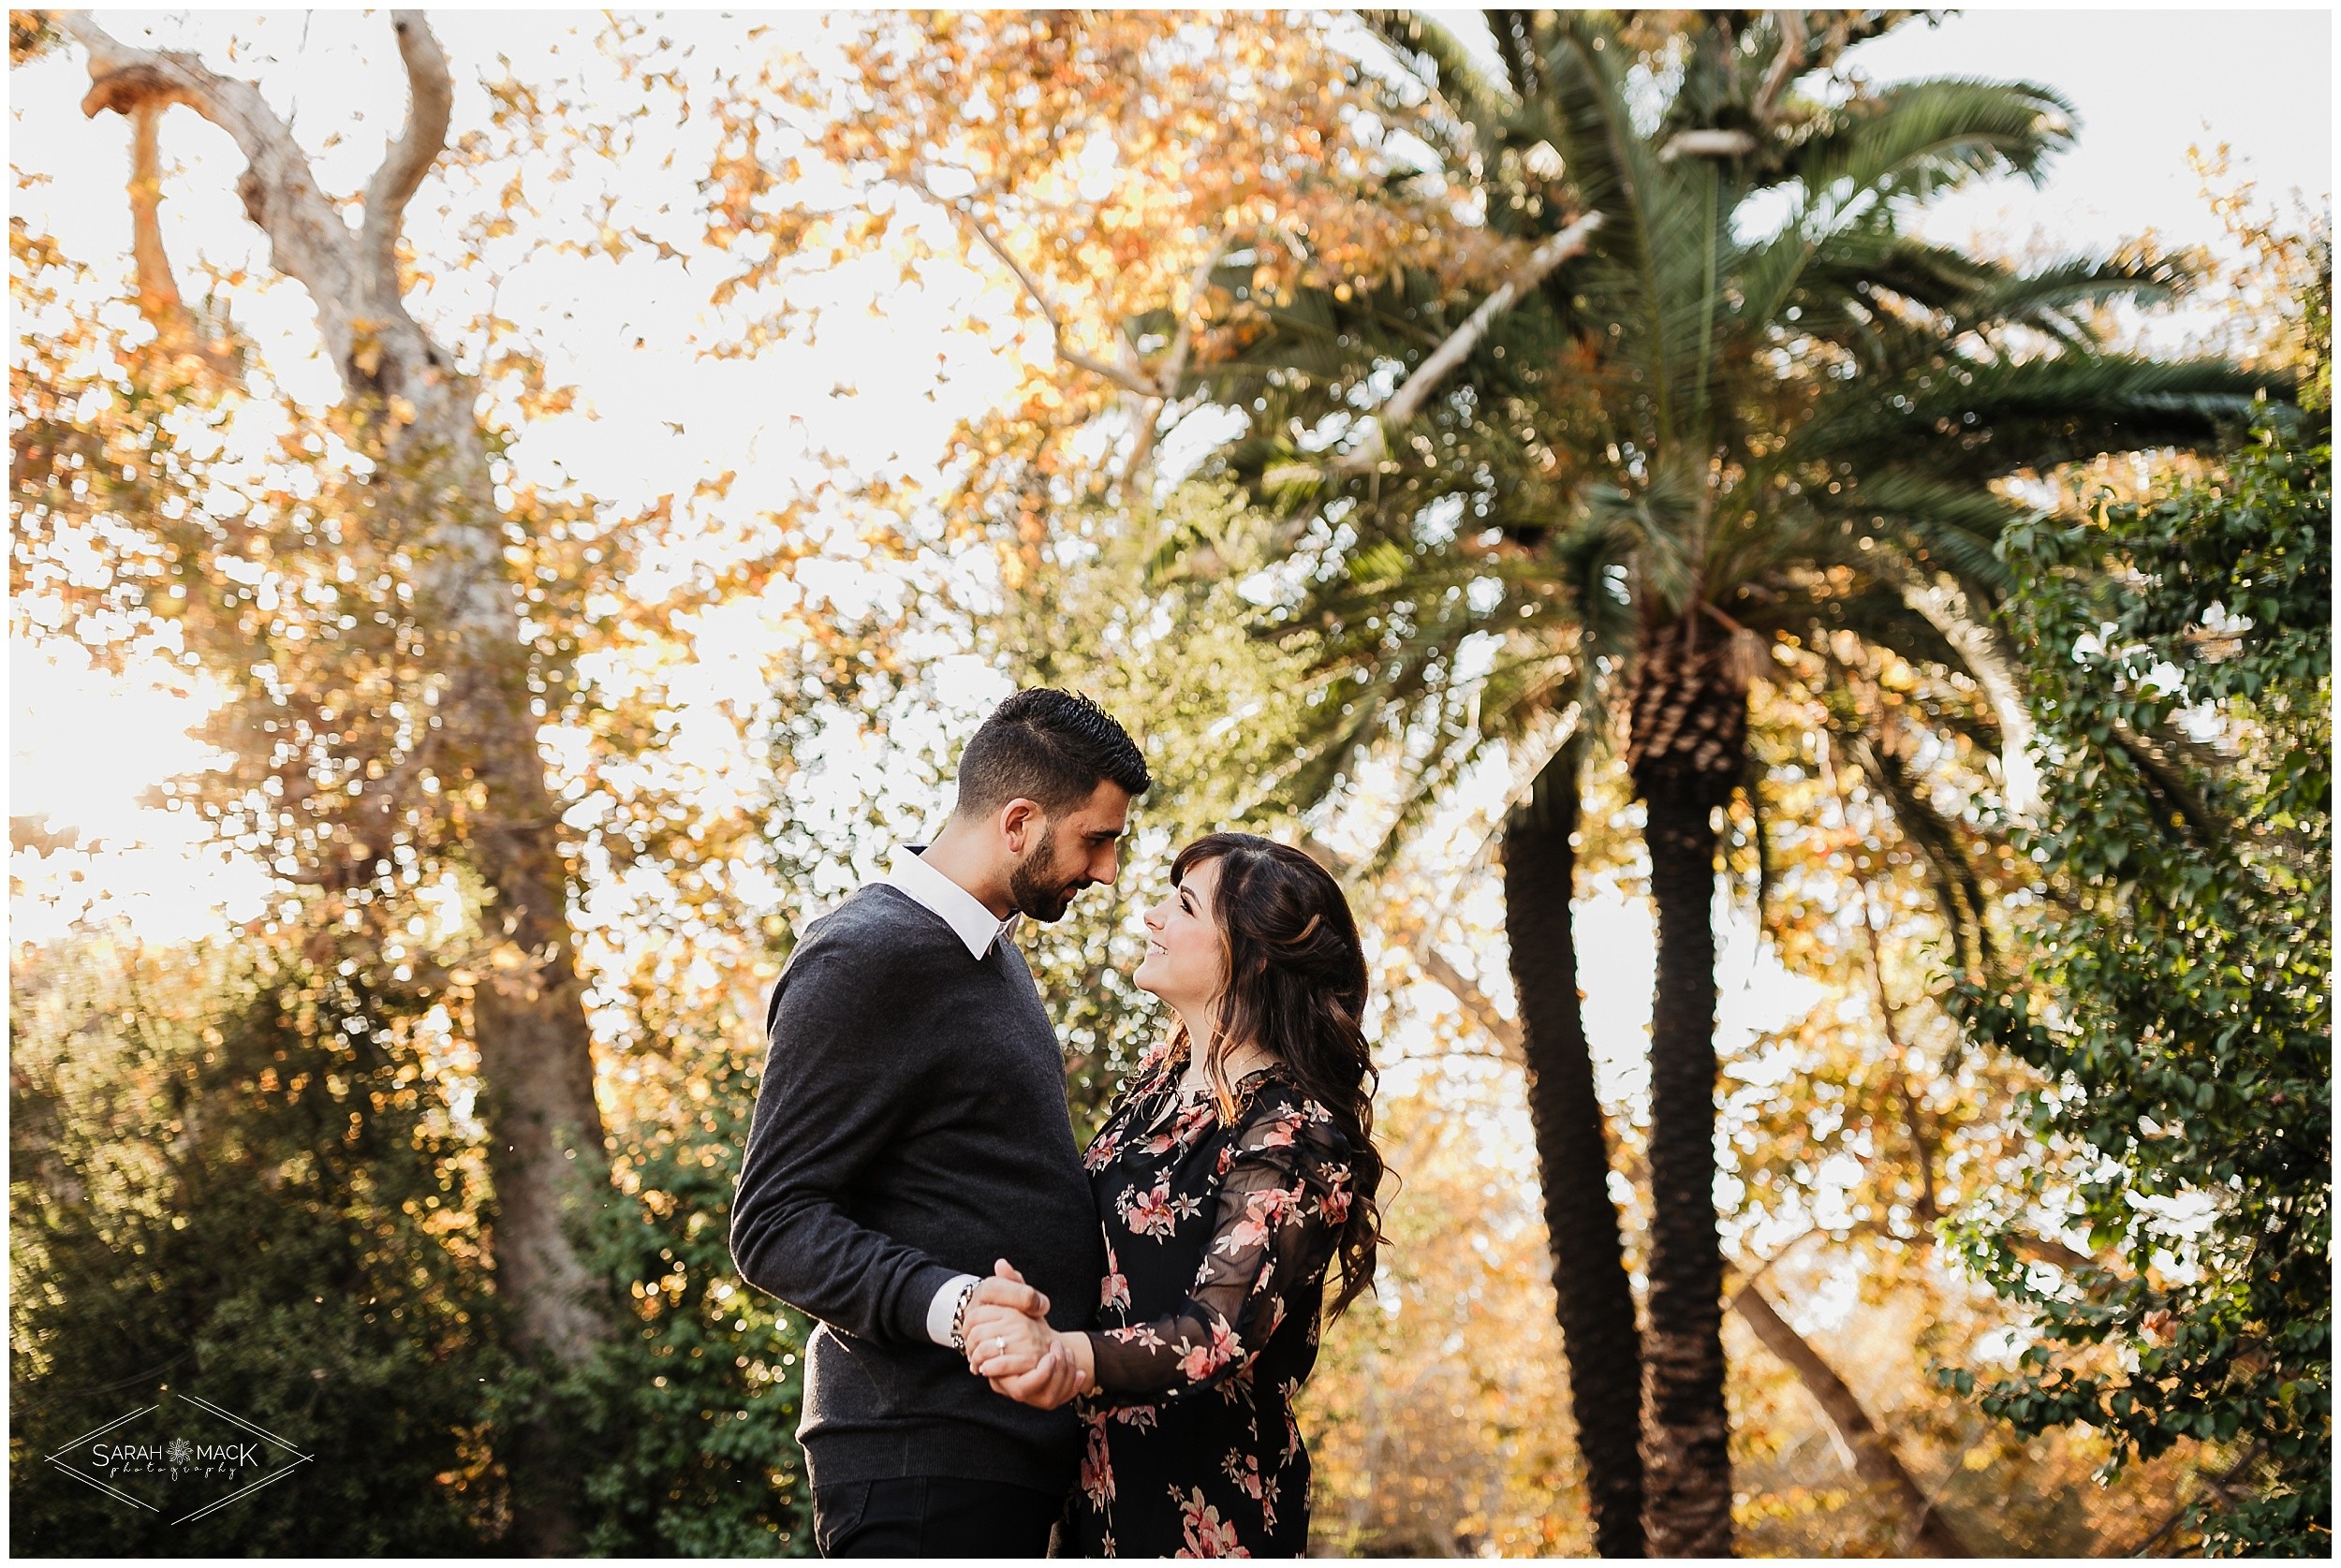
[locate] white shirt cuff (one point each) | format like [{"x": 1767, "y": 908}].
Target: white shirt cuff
[{"x": 946, "y": 1303}]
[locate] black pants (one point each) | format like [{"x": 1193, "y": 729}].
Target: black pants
[{"x": 932, "y": 1516}]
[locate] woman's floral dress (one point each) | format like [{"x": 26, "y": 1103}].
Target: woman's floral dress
[{"x": 1217, "y": 1240}]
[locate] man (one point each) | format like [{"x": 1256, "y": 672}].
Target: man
[{"x": 912, "y": 1131}]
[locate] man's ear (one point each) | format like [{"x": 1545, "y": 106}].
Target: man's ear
[{"x": 1019, "y": 819}]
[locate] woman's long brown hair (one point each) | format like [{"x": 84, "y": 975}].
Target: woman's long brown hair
[{"x": 1296, "y": 985}]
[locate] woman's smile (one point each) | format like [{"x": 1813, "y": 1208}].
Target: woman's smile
[{"x": 1182, "y": 963}]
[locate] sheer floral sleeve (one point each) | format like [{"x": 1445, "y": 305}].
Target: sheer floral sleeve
[{"x": 1284, "y": 1194}]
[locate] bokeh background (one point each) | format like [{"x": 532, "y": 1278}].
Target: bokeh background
[{"x": 435, "y": 704}]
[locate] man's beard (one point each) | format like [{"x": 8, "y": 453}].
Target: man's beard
[{"x": 1028, "y": 888}]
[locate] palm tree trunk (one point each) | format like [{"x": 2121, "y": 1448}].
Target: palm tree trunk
[
  {"x": 1591, "y": 1287},
  {"x": 1689, "y": 730}
]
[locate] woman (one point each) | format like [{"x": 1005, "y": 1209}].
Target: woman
[{"x": 1229, "y": 1178}]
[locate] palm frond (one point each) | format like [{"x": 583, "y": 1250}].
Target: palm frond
[
  {"x": 1905, "y": 145},
  {"x": 1481, "y": 105},
  {"x": 1918, "y": 140},
  {"x": 1878, "y": 615},
  {"x": 1968, "y": 420},
  {"x": 1940, "y": 526},
  {"x": 1952, "y": 878}
]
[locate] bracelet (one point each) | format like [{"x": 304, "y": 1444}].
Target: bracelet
[{"x": 958, "y": 1317}]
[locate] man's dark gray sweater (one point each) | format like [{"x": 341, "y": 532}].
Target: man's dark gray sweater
[{"x": 911, "y": 1125}]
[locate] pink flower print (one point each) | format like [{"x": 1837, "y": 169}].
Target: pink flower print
[
  {"x": 1201, "y": 1360},
  {"x": 1261, "y": 1211},
  {"x": 1236, "y": 1389},
  {"x": 1115, "y": 1292},
  {"x": 1097, "y": 1467},
  {"x": 1334, "y": 1205},
  {"x": 1244, "y": 1469},
  {"x": 1139, "y": 1417},
  {"x": 1192, "y": 1122},
  {"x": 1279, "y": 1135},
  {"x": 1102, "y": 1152},
  {"x": 1148, "y": 1213},
  {"x": 1137, "y": 1333},
  {"x": 1205, "y": 1533},
  {"x": 1246, "y": 1233}
]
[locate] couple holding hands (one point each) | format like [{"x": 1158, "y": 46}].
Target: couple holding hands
[{"x": 1023, "y": 1348}]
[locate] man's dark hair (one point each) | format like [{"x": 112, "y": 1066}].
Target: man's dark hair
[{"x": 1049, "y": 747}]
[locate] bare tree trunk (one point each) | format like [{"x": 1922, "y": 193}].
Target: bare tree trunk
[
  {"x": 1593, "y": 1293},
  {"x": 1874, "y": 1458},
  {"x": 528, "y": 1014},
  {"x": 1690, "y": 726}
]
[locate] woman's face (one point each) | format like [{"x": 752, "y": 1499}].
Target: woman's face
[{"x": 1183, "y": 963}]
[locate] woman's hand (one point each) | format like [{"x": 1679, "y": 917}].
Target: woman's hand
[
  {"x": 1058, "y": 1372},
  {"x": 1005, "y": 1342}
]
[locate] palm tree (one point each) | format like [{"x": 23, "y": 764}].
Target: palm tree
[{"x": 1726, "y": 400}]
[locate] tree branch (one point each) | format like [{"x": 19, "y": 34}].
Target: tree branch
[
  {"x": 1858, "y": 1437},
  {"x": 1913, "y": 1108},
  {"x": 1707, "y": 144},
  {"x": 2218, "y": 1484},
  {"x": 1784, "y": 65},
  {"x": 2047, "y": 1250},
  {"x": 309, "y": 242},
  {"x": 1122, "y": 376},
  {"x": 1476, "y": 1005},
  {"x": 1408, "y": 400},
  {"x": 158, "y": 291},
  {"x": 1173, "y": 369},
  {"x": 2170, "y": 785},
  {"x": 430, "y": 97},
  {"x": 1174, "y": 363},
  {"x": 177, "y": 335}
]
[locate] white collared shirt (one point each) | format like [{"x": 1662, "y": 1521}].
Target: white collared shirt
[
  {"x": 966, "y": 916},
  {"x": 961, "y": 910}
]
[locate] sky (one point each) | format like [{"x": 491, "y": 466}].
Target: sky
[
  {"x": 881, "y": 388},
  {"x": 2145, "y": 85}
]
